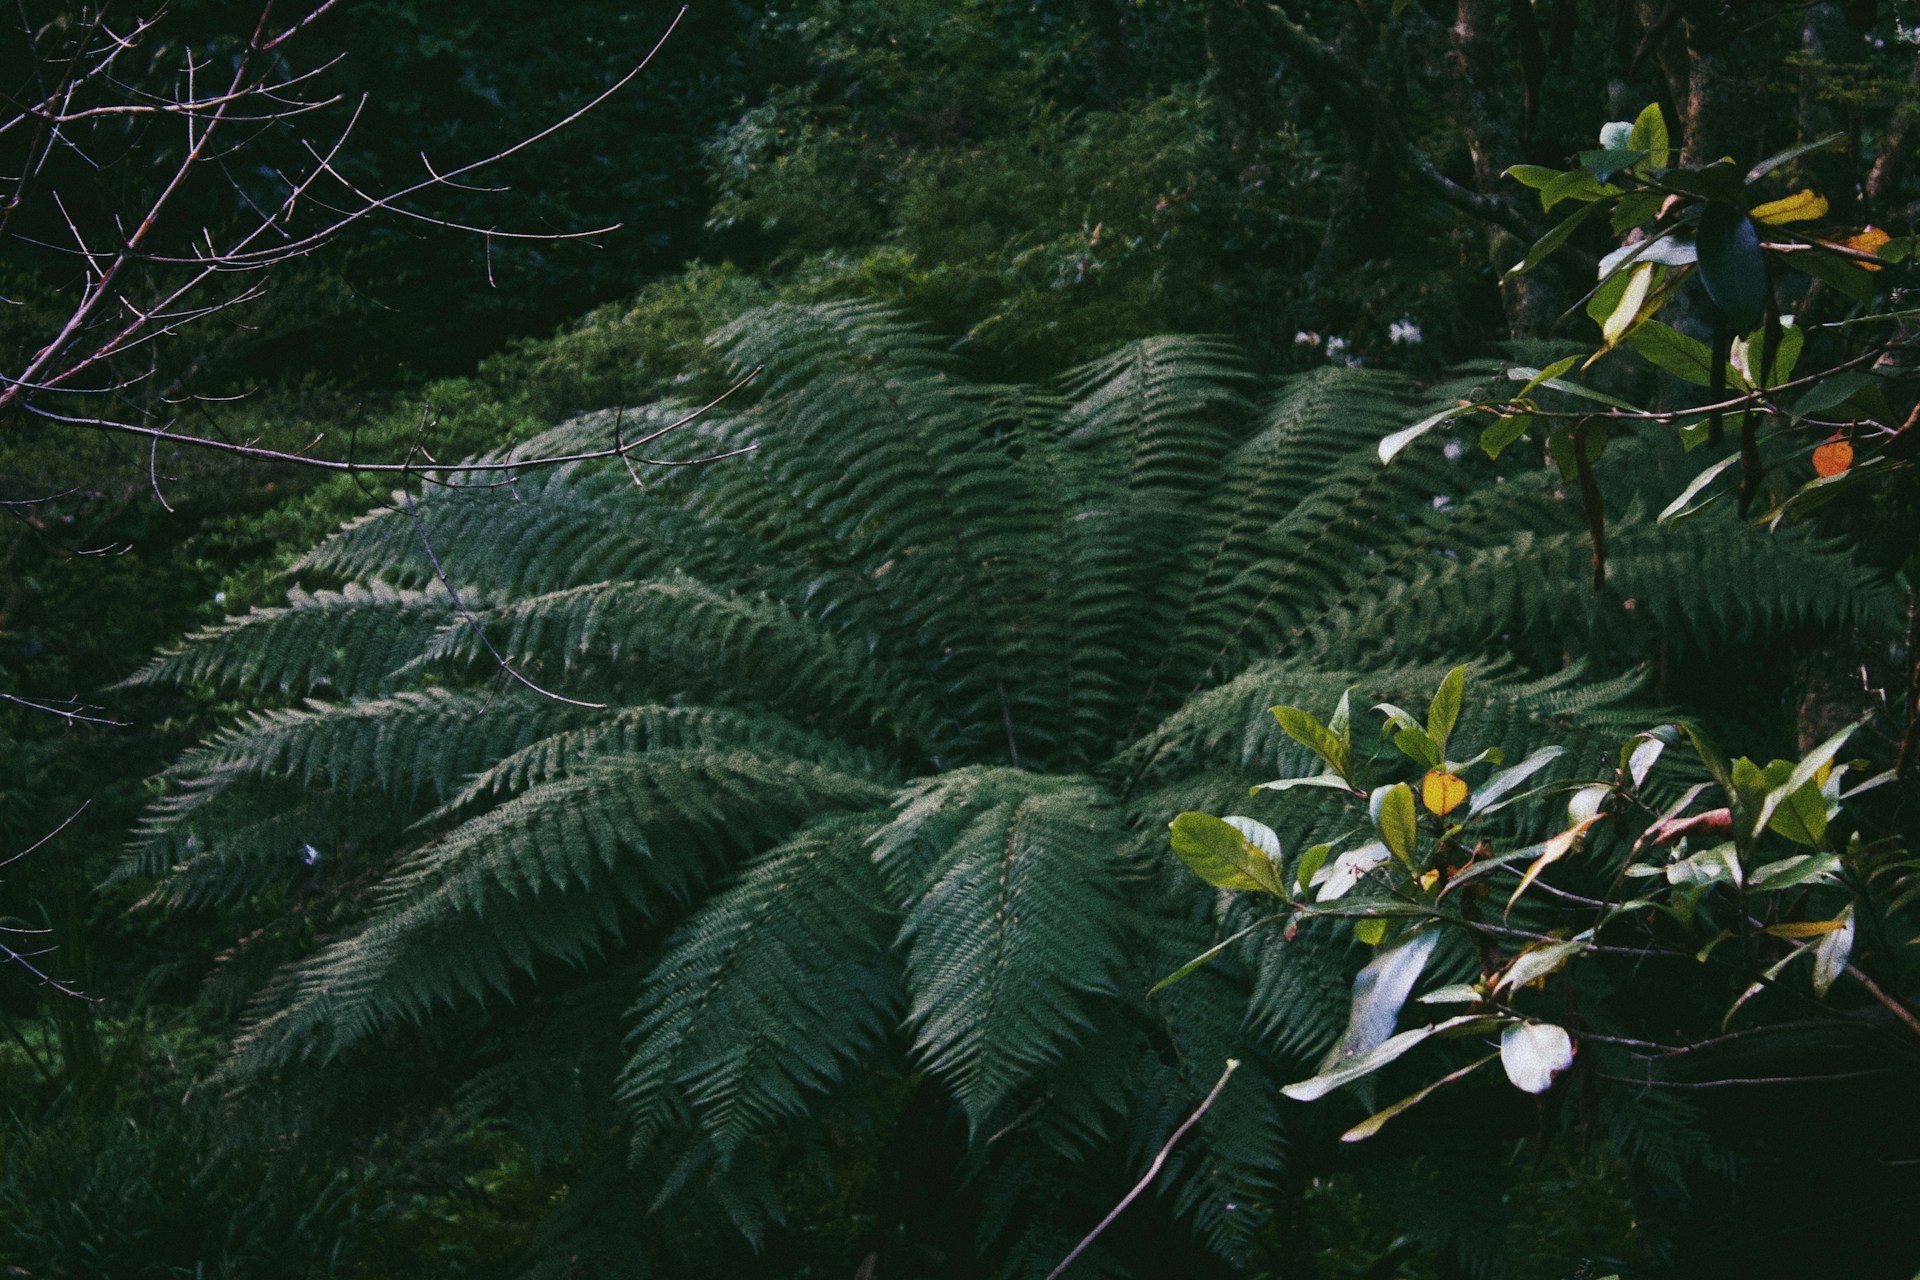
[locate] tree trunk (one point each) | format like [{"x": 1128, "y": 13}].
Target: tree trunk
[
  {"x": 1479, "y": 83},
  {"x": 1727, "y": 61},
  {"x": 1114, "y": 76},
  {"x": 1241, "y": 60}
]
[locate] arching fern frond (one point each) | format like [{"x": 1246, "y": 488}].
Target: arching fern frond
[
  {"x": 349, "y": 641},
  {"x": 1012, "y": 925},
  {"x": 766, "y": 993}
]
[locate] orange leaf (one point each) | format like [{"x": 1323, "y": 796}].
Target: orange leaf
[
  {"x": 1867, "y": 240},
  {"x": 1442, "y": 792},
  {"x": 1833, "y": 457}
]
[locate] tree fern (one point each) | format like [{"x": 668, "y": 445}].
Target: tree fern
[{"x": 896, "y": 709}]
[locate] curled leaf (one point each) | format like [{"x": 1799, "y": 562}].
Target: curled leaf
[{"x": 1533, "y": 1053}]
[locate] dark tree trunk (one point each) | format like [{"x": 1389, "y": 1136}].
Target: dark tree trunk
[
  {"x": 1242, "y": 62},
  {"x": 1826, "y": 39},
  {"x": 1115, "y": 78},
  {"x": 1494, "y": 142},
  {"x": 1727, "y": 61}
]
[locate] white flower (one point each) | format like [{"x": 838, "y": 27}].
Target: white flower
[
  {"x": 1306, "y": 338},
  {"x": 1453, "y": 450},
  {"x": 1404, "y": 330},
  {"x": 1615, "y": 134},
  {"x": 1336, "y": 347},
  {"x": 219, "y": 597}
]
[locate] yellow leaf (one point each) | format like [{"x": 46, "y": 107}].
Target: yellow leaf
[
  {"x": 1803, "y": 206},
  {"x": 1833, "y": 457},
  {"x": 1804, "y": 928},
  {"x": 1442, "y": 793}
]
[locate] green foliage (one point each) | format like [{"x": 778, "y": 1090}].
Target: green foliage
[{"x": 894, "y": 711}]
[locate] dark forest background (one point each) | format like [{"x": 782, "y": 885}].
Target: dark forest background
[{"x": 1029, "y": 184}]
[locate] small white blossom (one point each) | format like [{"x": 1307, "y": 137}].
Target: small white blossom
[
  {"x": 219, "y": 597},
  {"x": 1454, "y": 450},
  {"x": 1404, "y": 332},
  {"x": 1615, "y": 134},
  {"x": 1336, "y": 347},
  {"x": 1306, "y": 338},
  {"x": 309, "y": 854}
]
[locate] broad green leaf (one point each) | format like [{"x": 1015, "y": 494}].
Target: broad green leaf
[
  {"x": 1791, "y": 154},
  {"x": 1665, "y": 347},
  {"x": 1309, "y": 866},
  {"x": 1533, "y": 1053},
  {"x": 1717, "y": 182},
  {"x": 1803, "y": 774},
  {"x": 1444, "y": 711},
  {"x": 1789, "y": 873},
  {"x": 1370, "y": 932},
  {"x": 1220, "y": 853},
  {"x": 1843, "y": 274},
  {"x": 1502, "y": 432},
  {"x": 1684, "y": 506},
  {"x": 1366, "y": 1064},
  {"x": 1546, "y": 244},
  {"x": 1710, "y": 754},
  {"x": 1802, "y": 817},
  {"x": 1414, "y": 744},
  {"x": 1393, "y": 444},
  {"x": 1831, "y": 393},
  {"x": 1560, "y": 448},
  {"x": 1793, "y": 340},
  {"x": 1378, "y": 1120},
  {"x": 1340, "y": 723},
  {"x": 1534, "y": 377},
  {"x": 1573, "y": 389},
  {"x": 1533, "y": 175},
  {"x": 1394, "y": 814},
  {"x": 1731, "y": 266},
  {"x": 1305, "y": 728},
  {"x": 1606, "y": 162},
  {"x": 1756, "y": 988},
  {"x": 1206, "y": 956},
  {"x": 1575, "y": 184},
  {"x": 1536, "y": 962},
  {"x": 1649, "y": 134},
  {"x": 1831, "y": 955},
  {"x": 1507, "y": 779}
]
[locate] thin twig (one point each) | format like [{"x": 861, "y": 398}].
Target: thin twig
[{"x": 1153, "y": 1170}]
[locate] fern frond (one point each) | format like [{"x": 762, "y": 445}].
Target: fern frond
[
  {"x": 1015, "y": 922},
  {"x": 767, "y": 993},
  {"x": 550, "y": 873},
  {"x": 348, "y": 641}
]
